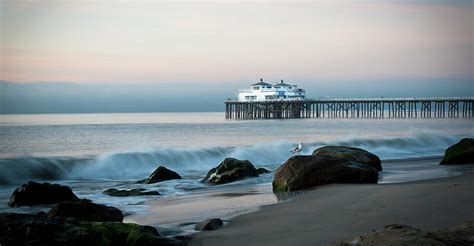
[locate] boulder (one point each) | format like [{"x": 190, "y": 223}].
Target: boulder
[
  {"x": 230, "y": 170},
  {"x": 351, "y": 154},
  {"x": 460, "y": 153},
  {"x": 132, "y": 192},
  {"x": 401, "y": 235},
  {"x": 159, "y": 175},
  {"x": 302, "y": 172},
  {"x": 33, "y": 193},
  {"x": 209, "y": 225},
  {"x": 86, "y": 210},
  {"x": 34, "y": 229},
  {"x": 262, "y": 170}
]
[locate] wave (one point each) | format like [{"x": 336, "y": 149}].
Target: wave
[
  {"x": 21, "y": 169},
  {"x": 194, "y": 163}
]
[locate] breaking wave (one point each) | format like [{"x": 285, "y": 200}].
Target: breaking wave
[{"x": 193, "y": 163}]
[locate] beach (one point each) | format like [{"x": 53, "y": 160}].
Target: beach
[
  {"x": 342, "y": 123},
  {"x": 92, "y": 153},
  {"x": 340, "y": 212}
]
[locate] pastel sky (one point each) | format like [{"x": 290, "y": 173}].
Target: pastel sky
[{"x": 229, "y": 41}]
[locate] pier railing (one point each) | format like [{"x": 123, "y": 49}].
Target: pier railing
[{"x": 424, "y": 107}]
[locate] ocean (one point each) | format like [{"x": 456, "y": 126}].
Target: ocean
[{"x": 94, "y": 152}]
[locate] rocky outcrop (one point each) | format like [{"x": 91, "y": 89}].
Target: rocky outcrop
[
  {"x": 33, "y": 193},
  {"x": 159, "y": 175},
  {"x": 36, "y": 229},
  {"x": 230, "y": 170},
  {"x": 132, "y": 192},
  {"x": 460, "y": 153},
  {"x": 302, "y": 172},
  {"x": 401, "y": 235},
  {"x": 351, "y": 154},
  {"x": 86, "y": 210},
  {"x": 209, "y": 225}
]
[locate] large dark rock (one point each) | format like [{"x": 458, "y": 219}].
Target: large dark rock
[
  {"x": 86, "y": 210},
  {"x": 302, "y": 172},
  {"x": 351, "y": 154},
  {"x": 230, "y": 170},
  {"x": 401, "y": 235},
  {"x": 460, "y": 153},
  {"x": 33, "y": 193},
  {"x": 209, "y": 225},
  {"x": 159, "y": 175},
  {"x": 34, "y": 229},
  {"x": 132, "y": 192}
]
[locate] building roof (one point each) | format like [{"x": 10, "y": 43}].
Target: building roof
[
  {"x": 282, "y": 84},
  {"x": 261, "y": 83}
]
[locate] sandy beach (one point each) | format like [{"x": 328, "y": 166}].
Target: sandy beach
[{"x": 340, "y": 212}]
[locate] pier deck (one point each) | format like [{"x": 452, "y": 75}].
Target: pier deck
[{"x": 424, "y": 107}]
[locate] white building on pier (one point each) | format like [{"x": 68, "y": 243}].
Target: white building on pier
[{"x": 262, "y": 91}]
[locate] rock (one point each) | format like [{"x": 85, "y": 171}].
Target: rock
[
  {"x": 302, "y": 172},
  {"x": 209, "y": 225},
  {"x": 460, "y": 153},
  {"x": 351, "y": 154},
  {"x": 31, "y": 229},
  {"x": 18, "y": 229},
  {"x": 230, "y": 170},
  {"x": 86, "y": 211},
  {"x": 401, "y": 235},
  {"x": 262, "y": 170},
  {"x": 159, "y": 175},
  {"x": 132, "y": 192},
  {"x": 33, "y": 193}
]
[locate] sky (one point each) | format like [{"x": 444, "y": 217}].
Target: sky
[{"x": 336, "y": 48}]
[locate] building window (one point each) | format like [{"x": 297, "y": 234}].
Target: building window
[{"x": 255, "y": 88}]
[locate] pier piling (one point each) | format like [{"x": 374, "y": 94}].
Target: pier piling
[{"x": 454, "y": 107}]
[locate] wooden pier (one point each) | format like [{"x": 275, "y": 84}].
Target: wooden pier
[{"x": 452, "y": 107}]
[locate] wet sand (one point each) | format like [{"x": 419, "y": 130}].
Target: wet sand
[{"x": 340, "y": 212}]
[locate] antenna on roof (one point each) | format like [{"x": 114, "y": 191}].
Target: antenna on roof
[
  {"x": 261, "y": 80},
  {"x": 281, "y": 81}
]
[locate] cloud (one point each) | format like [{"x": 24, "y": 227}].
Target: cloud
[{"x": 162, "y": 42}]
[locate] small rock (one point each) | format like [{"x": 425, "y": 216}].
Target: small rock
[
  {"x": 398, "y": 235},
  {"x": 262, "y": 170},
  {"x": 159, "y": 175},
  {"x": 87, "y": 211},
  {"x": 230, "y": 170},
  {"x": 460, "y": 153},
  {"x": 132, "y": 192},
  {"x": 33, "y": 193},
  {"x": 209, "y": 225}
]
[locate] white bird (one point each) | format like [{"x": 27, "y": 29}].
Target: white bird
[{"x": 297, "y": 149}]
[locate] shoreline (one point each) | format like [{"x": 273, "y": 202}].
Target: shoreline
[
  {"x": 340, "y": 212},
  {"x": 176, "y": 214}
]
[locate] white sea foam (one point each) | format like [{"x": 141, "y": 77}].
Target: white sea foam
[{"x": 195, "y": 162}]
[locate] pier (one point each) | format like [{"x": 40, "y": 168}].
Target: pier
[{"x": 426, "y": 107}]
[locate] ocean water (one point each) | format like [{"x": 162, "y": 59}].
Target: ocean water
[{"x": 93, "y": 152}]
